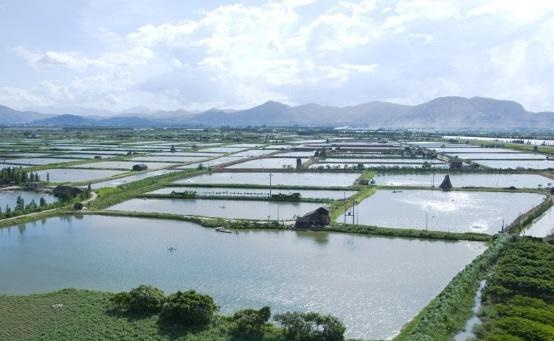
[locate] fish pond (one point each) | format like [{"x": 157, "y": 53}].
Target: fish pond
[
  {"x": 464, "y": 180},
  {"x": 277, "y": 179},
  {"x": 382, "y": 284},
  {"x": 229, "y": 209},
  {"x": 75, "y": 175},
  {"x": 542, "y": 226},
  {"x": 454, "y": 211}
]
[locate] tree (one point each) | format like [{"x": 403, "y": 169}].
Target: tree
[
  {"x": 249, "y": 324},
  {"x": 146, "y": 299},
  {"x": 311, "y": 327},
  {"x": 189, "y": 308},
  {"x": 42, "y": 202}
]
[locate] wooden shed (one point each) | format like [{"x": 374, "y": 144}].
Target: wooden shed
[{"x": 314, "y": 219}]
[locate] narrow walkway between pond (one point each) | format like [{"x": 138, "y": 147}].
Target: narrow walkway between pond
[{"x": 467, "y": 333}]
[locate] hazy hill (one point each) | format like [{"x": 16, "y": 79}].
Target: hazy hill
[
  {"x": 9, "y": 116},
  {"x": 442, "y": 112}
]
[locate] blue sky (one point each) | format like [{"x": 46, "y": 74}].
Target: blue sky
[{"x": 120, "y": 55}]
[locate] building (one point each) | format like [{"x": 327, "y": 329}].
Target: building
[
  {"x": 314, "y": 219},
  {"x": 140, "y": 167}
]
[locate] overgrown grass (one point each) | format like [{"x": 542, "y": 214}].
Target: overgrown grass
[{"x": 88, "y": 315}]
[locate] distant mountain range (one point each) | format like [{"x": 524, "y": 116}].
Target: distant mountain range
[{"x": 441, "y": 113}]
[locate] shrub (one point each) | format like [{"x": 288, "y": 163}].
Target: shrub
[
  {"x": 249, "y": 324},
  {"x": 121, "y": 300},
  {"x": 189, "y": 308},
  {"x": 145, "y": 300},
  {"x": 311, "y": 327}
]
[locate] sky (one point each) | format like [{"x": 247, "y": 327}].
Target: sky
[{"x": 129, "y": 55}]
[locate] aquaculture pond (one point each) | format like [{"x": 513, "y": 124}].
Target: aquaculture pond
[
  {"x": 9, "y": 198},
  {"x": 178, "y": 159},
  {"x": 38, "y": 161},
  {"x": 499, "y": 156},
  {"x": 500, "y": 164},
  {"x": 229, "y": 209},
  {"x": 542, "y": 226},
  {"x": 277, "y": 179},
  {"x": 454, "y": 211},
  {"x": 258, "y": 192},
  {"x": 125, "y": 165},
  {"x": 374, "y": 165},
  {"x": 268, "y": 163},
  {"x": 464, "y": 180},
  {"x": 382, "y": 284},
  {"x": 75, "y": 175}
]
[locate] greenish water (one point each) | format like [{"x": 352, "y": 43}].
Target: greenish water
[
  {"x": 375, "y": 285},
  {"x": 443, "y": 211}
]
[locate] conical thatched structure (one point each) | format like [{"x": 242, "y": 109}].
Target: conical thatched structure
[{"x": 446, "y": 184}]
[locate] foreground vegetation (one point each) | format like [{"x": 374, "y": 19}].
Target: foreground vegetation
[
  {"x": 146, "y": 313},
  {"x": 519, "y": 297}
]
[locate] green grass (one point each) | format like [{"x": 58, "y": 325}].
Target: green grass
[
  {"x": 88, "y": 315},
  {"x": 338, "y": 207}
]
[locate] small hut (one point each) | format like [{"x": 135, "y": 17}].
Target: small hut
[
  {"x": 314, "y": 219},
  {"x": 456, "y": 165},
  {"x": 446, "y": 183},
  {"x": 140, "y": 167}
]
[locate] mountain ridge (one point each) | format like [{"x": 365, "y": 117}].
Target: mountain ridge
[{"x": 451, "y": 112}]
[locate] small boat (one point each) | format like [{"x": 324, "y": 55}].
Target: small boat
[
  {"x": 171, "y": 249},
  {"x": 222, "y": 230}
]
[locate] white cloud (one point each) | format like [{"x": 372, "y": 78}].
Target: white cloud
[{"x": 302, "y": 51}]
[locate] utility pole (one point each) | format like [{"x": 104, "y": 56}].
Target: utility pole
[
  {"x": 344, "y": 201},
  {"x": 353, "y": 212},
  {"x": 270, "y": 176},
  {"x": 426, "y": 220}
]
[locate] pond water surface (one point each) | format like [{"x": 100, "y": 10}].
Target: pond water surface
[
  {"x": 277, "y": 179},
  {"x": 229, "y": 209},
  {"x": 454, "y": 211},
  {"x": 464, "y": 180},
  {"x": 375, "y": 285}
]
